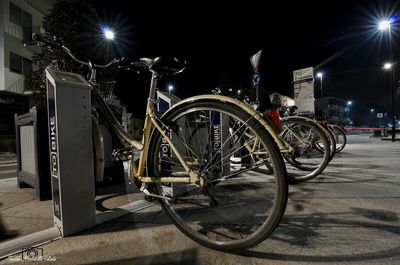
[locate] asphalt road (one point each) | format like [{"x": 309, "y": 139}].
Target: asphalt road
[{"x": 348, "y": 215}]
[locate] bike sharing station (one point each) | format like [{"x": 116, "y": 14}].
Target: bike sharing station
[
  {"x": 72, "y": 162},
  {"x": 71, "y": 165}
]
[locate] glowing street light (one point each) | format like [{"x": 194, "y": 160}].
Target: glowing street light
[
  {"x": 349, "y": 103},
  {"x": 170, "y": 87},
  {"x": 387, "y": 66},
  {"x": 108, "y": 33},
  {"x": 384, "y": 25},
  {"x": 391, "y": 66},
  {"x": 320, "y": 76}
]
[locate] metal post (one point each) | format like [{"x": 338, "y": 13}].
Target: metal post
[
  {"x": 393, "y": 111},
  {"x": 257, "y": 95},
  {"x": 321, "y": 88}
]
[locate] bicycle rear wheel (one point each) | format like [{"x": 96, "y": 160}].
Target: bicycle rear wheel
[{"x": 238, "y": 207}]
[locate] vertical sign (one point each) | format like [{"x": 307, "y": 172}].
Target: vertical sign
[
  {"x": 216, "y": 119},
  {"x": 303, "y": 80},
  {"x": 54, "y": 156}
]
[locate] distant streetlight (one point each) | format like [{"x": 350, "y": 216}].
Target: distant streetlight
[
  {"x": 320, "y": 76},
  {"x": 391, "y": 66},
  {"x": 348, "y": 111},
  {"x": 387, "y": 66},
  {"x": 372, "y": 117},
  {"x": 385, "y": 25},
  {"x": 170, "y": 87}
]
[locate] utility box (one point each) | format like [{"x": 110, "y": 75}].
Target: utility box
[{"x": 71, "y": 151}]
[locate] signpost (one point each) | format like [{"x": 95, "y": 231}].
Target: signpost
[{"x": 255, "y": 81}]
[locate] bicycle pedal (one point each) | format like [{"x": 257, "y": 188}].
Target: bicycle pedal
[
  {"x": 147, "y": 193},
  {"x": 123, "y": 155}
]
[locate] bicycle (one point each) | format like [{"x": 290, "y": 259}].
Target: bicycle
[
  {"x": 216, "y": 207},
  {"x": 310, "y": 147},
  {"x": 340, "y": 137}
]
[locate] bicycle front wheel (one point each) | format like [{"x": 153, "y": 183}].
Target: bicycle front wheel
[
  {"x": 340, "y": 137},
  {"x": 242, "y": 201},
  {"x": 305, "y": 137}
]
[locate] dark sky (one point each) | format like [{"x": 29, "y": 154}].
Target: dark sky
[{"x": 339, "y": 38}]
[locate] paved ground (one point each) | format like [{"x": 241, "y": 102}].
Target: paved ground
[
  {"x": 8, "y": 166},
  {"x": 348, "y": 215}
]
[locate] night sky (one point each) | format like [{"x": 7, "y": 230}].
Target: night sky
[{"x": 339, "y": 38}]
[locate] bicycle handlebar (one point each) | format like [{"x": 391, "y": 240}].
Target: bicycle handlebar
[{"x": 57, "y": 43}]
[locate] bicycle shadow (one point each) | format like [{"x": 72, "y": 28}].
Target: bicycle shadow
[{"x": 302, "y": 231}]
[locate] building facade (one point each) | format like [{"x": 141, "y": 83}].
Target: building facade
[
  {"x": 18, "y": 20},
  {"x": 332, "y": 109}
]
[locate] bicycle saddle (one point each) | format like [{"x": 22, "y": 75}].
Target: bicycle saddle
[{"x": 165, "y": 65}]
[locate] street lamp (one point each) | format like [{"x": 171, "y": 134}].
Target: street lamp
[
  {"x": 372, "y": 117},
  {"x": 390, "y": 66},
  {"x": 108, "y": 33},
  {"x": 170, "y": 87},
  {"x": 320, "y": 76},
  {"x": 385, "y": 25},
  {"x": 348, "y": 110}
]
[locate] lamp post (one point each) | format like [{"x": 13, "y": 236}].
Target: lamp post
[
  {"x": 170, "y": 87},
  {"x": 320, "y": 76},
  {"x": 372, "y": 117},
  {"x": 348, "y": 111},
  {"x": 385, "y": 25},
  {"x": 390, "y": 66}
]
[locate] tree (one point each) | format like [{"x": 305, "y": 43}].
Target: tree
[{"x": 76, "y": 23}]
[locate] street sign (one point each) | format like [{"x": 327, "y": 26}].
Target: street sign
[
  {"x": 255, "y": 81},
  {"x": 379, "y": 115},
  {"x": 254, "y": 60}
]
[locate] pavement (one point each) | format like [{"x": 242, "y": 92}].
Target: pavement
[
  {"x": 8, "y": 165},
  {"x": 348, "y": 215}
]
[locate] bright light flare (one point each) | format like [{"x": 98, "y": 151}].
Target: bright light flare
[
  {"x": 108, "y": 33},
  {"x": 384, "y": 25},
  {"x": 387, "y": 66}
]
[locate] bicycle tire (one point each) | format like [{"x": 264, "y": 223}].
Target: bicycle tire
[
  {"x": 238, "y": 212},
  {"x": 299, "y": 158},
  {"x": 340, "y": 137},
  {"x": 332, "y": 142}
]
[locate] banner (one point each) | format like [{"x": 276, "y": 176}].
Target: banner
[{"x": 303, "y": 80}]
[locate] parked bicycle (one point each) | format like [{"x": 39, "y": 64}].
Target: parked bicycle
[{"x": 218, "y": 207}]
